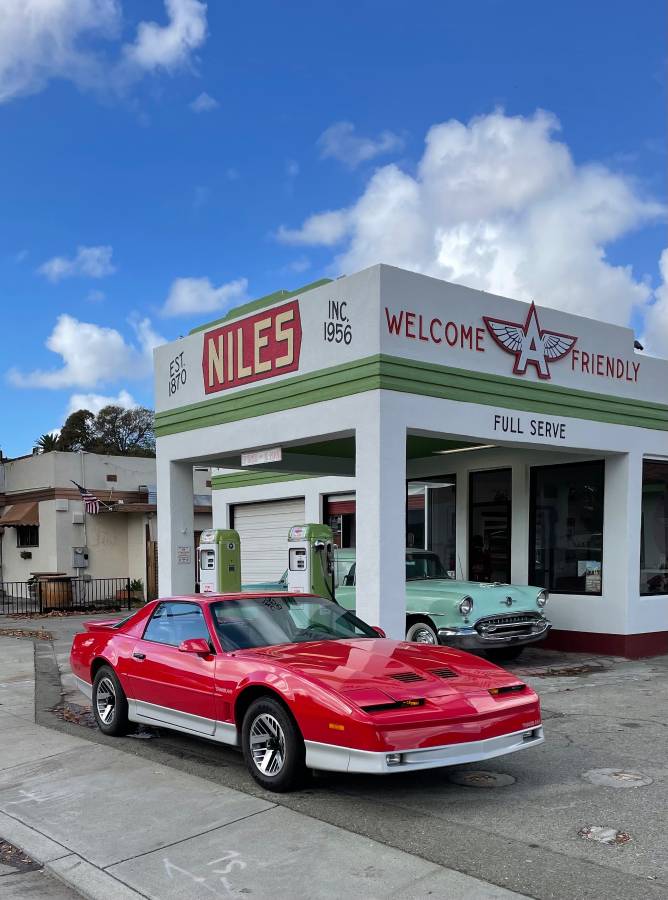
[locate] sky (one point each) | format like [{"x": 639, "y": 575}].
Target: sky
[{"x": 162, "y": 161}]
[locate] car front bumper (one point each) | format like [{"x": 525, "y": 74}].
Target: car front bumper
[
  {"x": 471, "y": 638},
  {"x": 331, "y": 758}
]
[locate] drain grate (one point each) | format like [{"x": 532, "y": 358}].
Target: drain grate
[{"x": 481, "y": 779}]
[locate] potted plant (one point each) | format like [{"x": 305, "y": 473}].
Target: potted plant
[{"x": 136, "y": 591}]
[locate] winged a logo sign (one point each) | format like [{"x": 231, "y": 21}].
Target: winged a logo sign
[{"x": 530, "y": 345}]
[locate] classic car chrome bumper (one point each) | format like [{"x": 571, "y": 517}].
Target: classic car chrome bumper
[
  {"x": 496, "y": 631},
  {"x": 346, "y": 759}
]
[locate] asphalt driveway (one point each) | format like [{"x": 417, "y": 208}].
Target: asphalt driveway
[{"x": 581, "y": 816}]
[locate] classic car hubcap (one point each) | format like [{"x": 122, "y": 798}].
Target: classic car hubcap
[
  {"x": 267, "y": 744},
  {"x": 106, "y": 700},
  {"x": 423, "y": 636}
]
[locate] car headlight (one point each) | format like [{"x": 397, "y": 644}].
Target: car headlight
[
  {"x": 542, "y": 599},
  {"x": 466, "y": 606}
]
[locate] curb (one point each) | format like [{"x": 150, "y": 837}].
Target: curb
[{"x": 59, "y": 861}]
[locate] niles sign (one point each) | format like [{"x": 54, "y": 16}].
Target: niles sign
[
  {"x": 526, "y": 341},
  {"x": 251, "y": 349}
]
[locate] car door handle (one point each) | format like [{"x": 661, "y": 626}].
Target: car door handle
[{"x": 139, "y": 655}]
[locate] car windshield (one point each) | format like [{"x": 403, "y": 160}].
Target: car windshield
[
  {"x": 268, "y": 621},
  {"x": 424, "y": 565}
]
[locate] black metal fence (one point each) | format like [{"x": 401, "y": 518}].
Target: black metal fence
[{"x": 66, "y": 594}]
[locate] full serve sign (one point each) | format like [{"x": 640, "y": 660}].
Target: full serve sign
[{"x": 252, "y": 349}]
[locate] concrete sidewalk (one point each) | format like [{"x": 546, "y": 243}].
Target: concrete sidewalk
[{"x": 112, "y": 825}]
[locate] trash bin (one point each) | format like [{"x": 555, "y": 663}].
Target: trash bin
[{"x": 56, "y": 592}]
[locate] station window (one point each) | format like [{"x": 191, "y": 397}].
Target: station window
[
  {"x": 654, "y": 529},
  {"x": 431, "y": 517},
  {"x": 27, "y": 535},
  {"x": 490, "y": 518},
  {"x": 566, "y": 527}
]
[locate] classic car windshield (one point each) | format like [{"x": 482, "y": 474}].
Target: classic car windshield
[
  {"x": 267, "y": 621},
  {"x": 423, "y": 565}
]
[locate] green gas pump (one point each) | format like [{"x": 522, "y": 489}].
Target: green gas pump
[
  {"x": 311, "y": 560},
  {"x": 219, "y": 561}
]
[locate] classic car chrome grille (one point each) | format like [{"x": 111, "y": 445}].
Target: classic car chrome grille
[
  {"x": 407, "y": 676},
  {"x": 443, "y": 673},
  {"x": 517, "y": 623}
]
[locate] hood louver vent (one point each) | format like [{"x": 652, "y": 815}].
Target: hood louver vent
[
  {"x": 407, "y": 677},
  {"x": 444, "y": 673}
]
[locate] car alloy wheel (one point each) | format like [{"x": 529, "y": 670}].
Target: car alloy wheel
[
  {"x": 267, "y": 742},
  {"x": 105, "y": 699},
  {"x": 110, "y": 705}
]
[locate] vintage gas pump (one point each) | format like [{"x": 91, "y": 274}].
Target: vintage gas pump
[
  {"x": 311, "y": 560},
  {"x": 219, "y": 561}
]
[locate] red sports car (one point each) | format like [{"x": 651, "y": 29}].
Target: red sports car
[{"x": 299, "y": 682}]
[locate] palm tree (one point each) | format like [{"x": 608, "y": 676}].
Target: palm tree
[{"x": 47, "y": 443}]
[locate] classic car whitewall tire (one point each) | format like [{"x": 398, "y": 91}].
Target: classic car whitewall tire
[{"x": 421, "y": 632}]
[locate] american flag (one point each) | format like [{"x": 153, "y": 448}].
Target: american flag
[{"x": 90, "y": 501}]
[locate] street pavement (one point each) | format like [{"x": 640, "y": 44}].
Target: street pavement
[
  {"x": 116, "y": 824},
  {"x": 535, "y": 822}
]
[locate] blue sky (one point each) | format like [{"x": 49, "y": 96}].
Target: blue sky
[{"x": 131, "y": 205}]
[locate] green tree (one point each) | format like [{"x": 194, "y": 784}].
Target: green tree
[
  {"x": 48, "y": 442},
  {"x": 77, "y": 433},
  {"x": 124, "y": 432}
]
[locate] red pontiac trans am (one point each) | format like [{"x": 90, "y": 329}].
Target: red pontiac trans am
[{"x": 300, "y": 683}]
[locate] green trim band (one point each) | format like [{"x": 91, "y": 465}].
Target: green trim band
[
  {"x": 260, "y": 303},
  {"x": 250, "y": 479},
  {"x": 408, "y": 376}
]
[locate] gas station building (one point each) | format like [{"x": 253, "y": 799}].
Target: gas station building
[{"x": 521, "y": 443}]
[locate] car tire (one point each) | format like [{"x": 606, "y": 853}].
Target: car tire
[
  {"x": 110, "y": 705},
  {"x": 273, "y": 746},
  {"x": 504, "y": 654},
  {"x": 421, "y": 632}
]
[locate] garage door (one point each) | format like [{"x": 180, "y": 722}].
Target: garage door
[{"x": 263, "y": 528}]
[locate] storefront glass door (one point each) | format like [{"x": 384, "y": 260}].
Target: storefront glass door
[{"x": 490, "y": 509}]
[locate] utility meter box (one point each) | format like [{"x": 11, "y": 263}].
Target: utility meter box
[
  {"x": 311, "y": 560},
  {"x": 219, "y": 561},
  {"x": 79, "y": 557}
]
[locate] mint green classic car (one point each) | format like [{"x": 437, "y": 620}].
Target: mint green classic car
[{"x": 498, "y": 618}]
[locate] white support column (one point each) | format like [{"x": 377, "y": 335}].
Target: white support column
[
  {"x": 519, "y": 527},
  {"x": 621, "y": 541},
  {"x": 176, "y": 539},
  {"x": 312, "y": 503},
  {"x": 380, "y": 471}
]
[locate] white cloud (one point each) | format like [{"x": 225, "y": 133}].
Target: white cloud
[
  {"x": 340, "y": 142},
  {"x": 301, "y": 264},
  {"x": 655, "y": 338},
  {"x": 496, "y": 204},
  {"x": 327, "y": 229},
  {"x": 93, "y": 262},
  {"x": 79, "y": 41},
  {"x": 95, "y": 402},
  {"x": 292, "y": 168},
  {"x": 169, "y": 46},
  {"x": 91, "y": 355},
  {"x": 199, "y": 295},
  {"x": 42, "y": 39},
  {"x": 204, "y": 103}
]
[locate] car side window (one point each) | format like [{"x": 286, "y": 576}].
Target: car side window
[
  {"x": 349, "y": 580},
  {"x": 173, "y": 623}
]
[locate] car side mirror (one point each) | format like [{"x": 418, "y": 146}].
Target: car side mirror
[
  {"x": 199, "y": 646},
  {"x": 379, "y": 631}
]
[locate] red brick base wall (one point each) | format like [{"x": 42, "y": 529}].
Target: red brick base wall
[{"x": 632, "y": 646}]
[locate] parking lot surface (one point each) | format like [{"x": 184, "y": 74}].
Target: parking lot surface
[{"x": 581, "y": 816}]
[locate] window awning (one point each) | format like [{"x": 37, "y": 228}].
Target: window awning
[{"x": 20, "y": 514}]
